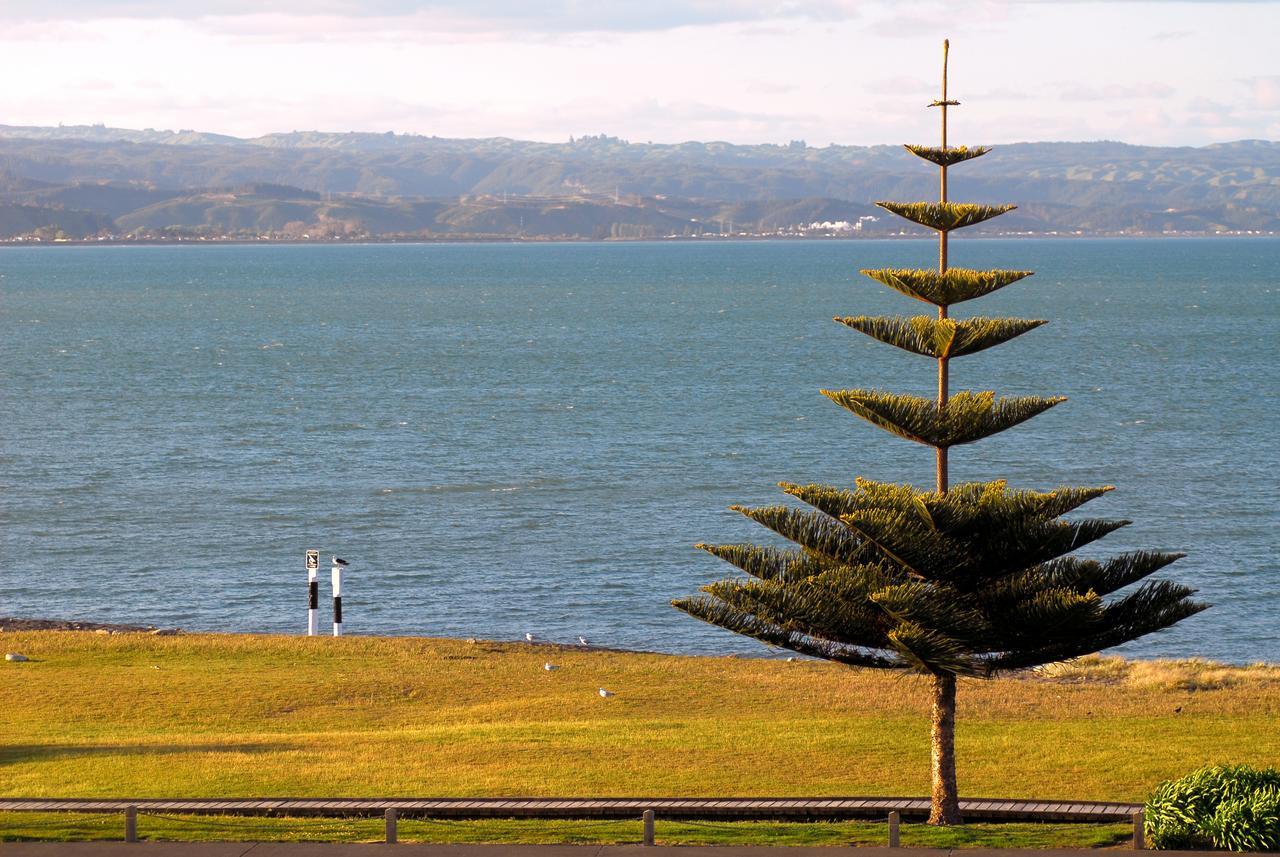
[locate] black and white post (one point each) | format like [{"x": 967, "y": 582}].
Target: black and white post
[
  {"x": 313, "y": 593},
  {"x": 336, "y": 574}
]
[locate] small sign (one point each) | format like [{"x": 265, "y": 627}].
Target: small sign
[{"x": 313, "y": 560}]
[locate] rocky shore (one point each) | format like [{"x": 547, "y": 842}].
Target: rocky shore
[{"x": 8, "y": 623}]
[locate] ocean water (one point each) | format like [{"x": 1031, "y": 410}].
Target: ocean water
[{"x": 507, "y": 438}]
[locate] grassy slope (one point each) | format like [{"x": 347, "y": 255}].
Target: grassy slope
[{"x": 213, "y": 715}]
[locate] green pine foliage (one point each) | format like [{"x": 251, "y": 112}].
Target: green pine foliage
[
  {"x": 949, "y": 156},
  {"x": 1232, "y": 807},
  {"x": 949, "y": 287},
  {"x": 940, "y": 337},
  {"x": 975, "y": 581},
  {"x": 966, "y": 417},
  {"x": 945, "y": 216}
]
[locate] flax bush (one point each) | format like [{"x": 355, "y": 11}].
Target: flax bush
[{"x": 1233, "y": 807}]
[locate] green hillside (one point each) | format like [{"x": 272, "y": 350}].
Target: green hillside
[{"x": 396, "y": 185}]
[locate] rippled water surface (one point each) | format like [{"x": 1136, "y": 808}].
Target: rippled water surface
[{"x": 509, "y": 438}]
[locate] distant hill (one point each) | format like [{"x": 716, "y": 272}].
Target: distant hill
[
  {"x": 387, "y": 184},
  {"x": 31, "y": 219}
]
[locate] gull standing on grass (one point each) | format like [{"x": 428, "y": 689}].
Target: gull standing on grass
[
  {"x": 582, "y": 641},
  {"x": 550, "y": 666},
  {"x": 606, "y": 693},
  {"x": 528, "y": 636}
]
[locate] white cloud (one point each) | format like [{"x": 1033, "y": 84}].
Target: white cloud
[
  {"x": 448, "y": 15},
  {"x": 1265, "y": 92},
  {"x": 1117, "y": 92},
  {"x": 767, "y": 71}
]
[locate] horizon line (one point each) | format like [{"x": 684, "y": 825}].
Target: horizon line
[{"x": 573, "y": 138}]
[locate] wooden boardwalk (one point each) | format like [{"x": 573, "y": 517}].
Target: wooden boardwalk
[{"x": 705, "y": 809}]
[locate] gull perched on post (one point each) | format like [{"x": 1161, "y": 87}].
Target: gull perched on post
[{"x": 337, "y": 560}]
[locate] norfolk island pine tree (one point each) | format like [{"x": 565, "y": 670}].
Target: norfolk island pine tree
[{"x": 971, "y": 580}]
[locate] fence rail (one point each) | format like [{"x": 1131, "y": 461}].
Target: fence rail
[{"x": 706, "y": 809}]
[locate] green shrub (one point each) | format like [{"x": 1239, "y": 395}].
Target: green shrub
[{"x": 1235, "y": 807}]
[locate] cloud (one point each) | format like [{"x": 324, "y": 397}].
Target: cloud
[
  {"x": 1004, "y": 94},
  {"x": 770, "y": 87},
  {"x": 502, "y": 15},
  {"x": 1265, "y": 92},
  {"x": 904, "y": 24},
  {"x": 1117, "y": 92},
  {"x": 901, "y": 85}
]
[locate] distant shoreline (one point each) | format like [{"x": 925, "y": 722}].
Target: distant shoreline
[{"x": 498, "y": 239}]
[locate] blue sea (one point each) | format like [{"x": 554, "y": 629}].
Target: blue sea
[{"x": 530, "y": 438}]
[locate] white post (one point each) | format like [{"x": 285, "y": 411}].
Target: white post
[
  {"x": 313, "y": 602},
  {"x": 336, "y": 576},
  {"x": 313, "y": 593}
]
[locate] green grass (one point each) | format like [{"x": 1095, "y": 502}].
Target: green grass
[
  {"x": 132, "y": 715},
  {"x": 66, "y": 827}
]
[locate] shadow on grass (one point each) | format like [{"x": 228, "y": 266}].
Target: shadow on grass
[{"x": 20, "y": 753}]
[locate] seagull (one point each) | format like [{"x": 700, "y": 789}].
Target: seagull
[
  {"x": 606, "y": 693},
  {"x": 582, "y": 641},
  {"x": 528, "y": 636},
  {"x": 337, "y": 560},
  {"x": 549, "y": 667}
]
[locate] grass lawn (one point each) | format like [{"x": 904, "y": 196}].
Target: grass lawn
[{"x": 135, "y": 715}]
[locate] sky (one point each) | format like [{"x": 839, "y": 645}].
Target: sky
[{"x": 742, "y": 71}]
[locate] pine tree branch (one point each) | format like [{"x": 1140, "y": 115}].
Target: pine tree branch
[
  {"x": 945, "y": 216},
  {"x": 768, "y": 563},
  {"x": 805, "y": 608},
  {"x": 954, "y": 286},
  {"x": 1050, "y": 616},
  {"x": 968, "y": 535},
  {"x": 936, "y": 606},
  {"x": 709, "y": 610},
  {"x": 940, "y": 338},
  {"x": 1004, "y": 551},
  {"x": 949, "y": 156},
  {"x": 967, "y": 416},
  {"x": 813, "y": 531},
  {"x": 1077, "y": 575},
  {"x": 931, "y": 651},
  {"x": 1155, "y": 606}
]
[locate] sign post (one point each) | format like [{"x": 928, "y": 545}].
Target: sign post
[
  {"x": 336, "y": 575},
  {"x": 313, "y": 592}
]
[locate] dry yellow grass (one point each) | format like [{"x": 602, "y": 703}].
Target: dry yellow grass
[
  {"x": 1188, "y": 675},
  {"x": 214, "y": 715}
]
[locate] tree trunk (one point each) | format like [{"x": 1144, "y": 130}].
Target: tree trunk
[{"x": 945, "y": 797}]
